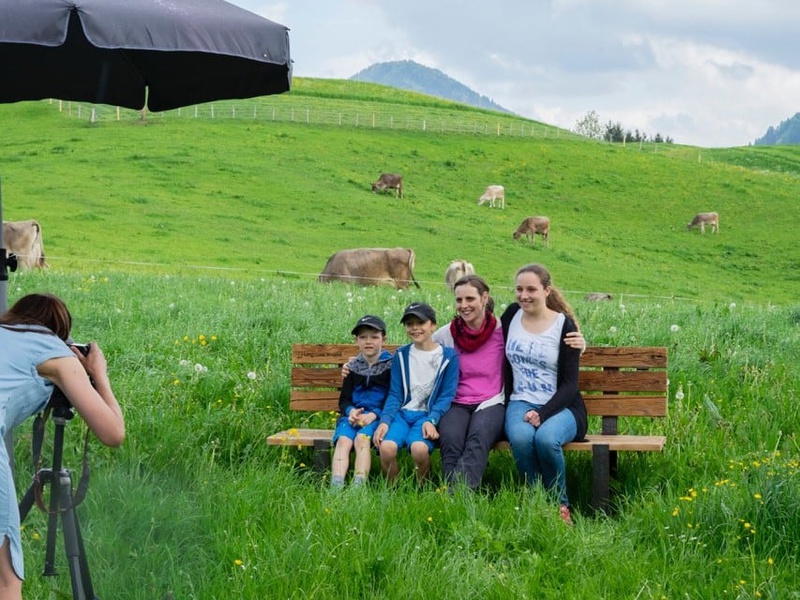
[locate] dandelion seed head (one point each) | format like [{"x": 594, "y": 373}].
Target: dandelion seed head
[
  {"x": 612, "y": 329},
  {"x": 251, "y": 374},
  {"x": 673, "y": 328},
  {"x": 198, "y": 368}
]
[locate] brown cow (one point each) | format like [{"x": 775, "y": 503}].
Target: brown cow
[
  {"x": 456, "y": 270},
  {"x": 371, "y": 266},
  {"x": 24, "y": 238},
  {"x": 598, "y": 297},
  {"x": 532, "y": 226},
  {"x": 703, "y": 219},
  {"x": 495, "y": 195},
  {"x": 389, "y": 181}
]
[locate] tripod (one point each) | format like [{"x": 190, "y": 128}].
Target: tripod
[{"x": 62, "y": 503}]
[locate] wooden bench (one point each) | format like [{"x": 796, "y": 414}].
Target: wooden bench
[{"x": 615, "y": 382}]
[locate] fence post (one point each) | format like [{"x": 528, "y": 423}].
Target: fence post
[{"x": 118, "y": 113}]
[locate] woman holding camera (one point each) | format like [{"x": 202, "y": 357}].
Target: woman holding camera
[{"x": 35, "y": 357}]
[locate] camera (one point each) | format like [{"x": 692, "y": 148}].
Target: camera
[{"x": 84, "y": 348}]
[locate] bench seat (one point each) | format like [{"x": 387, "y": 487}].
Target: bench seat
[{"x": 616, "y": 382}]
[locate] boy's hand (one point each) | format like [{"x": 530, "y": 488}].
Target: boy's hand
[
  {"x": 429, "y": 431},
  {"x": 379, "y": 434},
  {"x": 354, "y": 418},
  {"x": 367, "y": 418},
  {"x": 346, "y": 367}
]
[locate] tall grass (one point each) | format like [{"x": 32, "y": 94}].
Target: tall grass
[
  {"x": 195, "y": 505},
  {"x": 189, "y": 248}
]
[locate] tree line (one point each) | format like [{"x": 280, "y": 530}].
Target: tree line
[{"x": 589, "y": 126}]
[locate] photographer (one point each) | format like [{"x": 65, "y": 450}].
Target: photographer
[{"x": 34, "y": 357}]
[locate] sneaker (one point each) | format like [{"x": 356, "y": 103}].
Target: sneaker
[{"x": 565, "y": 516}]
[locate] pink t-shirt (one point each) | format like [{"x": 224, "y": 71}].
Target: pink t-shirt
[{"x": 480, "y": 373}]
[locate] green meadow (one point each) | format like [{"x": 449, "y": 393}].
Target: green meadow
[{"x": 189, "y": 248}]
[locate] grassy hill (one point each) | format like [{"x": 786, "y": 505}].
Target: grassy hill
[
  {"x": 263, "y": 196},
  {"x": 165, "y": 237}
]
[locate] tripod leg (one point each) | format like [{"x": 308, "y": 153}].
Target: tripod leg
[{"x": 73, "y": 543}]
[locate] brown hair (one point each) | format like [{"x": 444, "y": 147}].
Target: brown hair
[
  {"x": 40, "y": 309},
  {"x": 479, "y": 284},
  {"x": 555, "y": 299}
]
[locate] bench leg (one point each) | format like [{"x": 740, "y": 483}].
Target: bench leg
[
  {"x": 601, "y": 474},
  {"x": 322, "y": 456}
]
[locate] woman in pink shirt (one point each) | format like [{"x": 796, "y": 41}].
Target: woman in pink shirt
[{"x": 475, "y": 421}]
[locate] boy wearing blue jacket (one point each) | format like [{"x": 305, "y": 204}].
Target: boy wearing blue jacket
[
  {"x": 423, "y": 383},
  {"x": 361, "y": 400}
]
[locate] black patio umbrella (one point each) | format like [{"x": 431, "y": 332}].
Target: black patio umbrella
[
  {"x": 178, "y": 52},
  {"x": 158, "y": 54}
]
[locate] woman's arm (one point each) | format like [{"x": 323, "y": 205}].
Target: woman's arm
[{"x": 95, "y": 403}]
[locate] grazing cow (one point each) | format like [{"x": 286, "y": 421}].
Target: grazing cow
[
  {"x": 532, "y": 226},
  {"x": 24, "y": 238},
  {"x": 495, "y": 195},
  {"x": 389, "y": 181},
  {"x": 598, "y": 297},
  {"x": 456, "y": 270},
  {"x": 703, "y": 219},
  {"x": 371, "y": 266}
]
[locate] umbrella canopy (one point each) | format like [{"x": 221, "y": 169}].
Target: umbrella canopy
[{"x": 161, "y": 54}]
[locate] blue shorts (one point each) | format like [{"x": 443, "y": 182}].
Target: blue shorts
[
  {"x": 343, "y": 428},
  {"x": 407, "y": 429}
]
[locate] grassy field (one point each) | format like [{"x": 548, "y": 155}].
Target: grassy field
[
  {"x": 262, "y": 198},
  {"x": 190, "y": 247}
]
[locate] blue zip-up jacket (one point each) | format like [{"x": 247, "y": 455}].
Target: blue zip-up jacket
[
  {"x": 444, "y": 388},
  {"x": 367, "y": 385}
]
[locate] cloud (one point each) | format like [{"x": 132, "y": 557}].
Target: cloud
[{"x": 703, "y": 72}]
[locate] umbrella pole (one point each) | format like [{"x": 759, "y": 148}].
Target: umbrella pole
[{"x": 5, "y": 263}]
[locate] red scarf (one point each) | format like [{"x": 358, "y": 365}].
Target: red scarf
[{"x": 469, "y": 340}]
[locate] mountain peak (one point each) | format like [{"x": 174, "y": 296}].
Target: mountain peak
[{"x": 412, "y": 76}]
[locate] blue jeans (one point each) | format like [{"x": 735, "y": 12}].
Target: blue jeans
[{"x": 537, "y": 451}]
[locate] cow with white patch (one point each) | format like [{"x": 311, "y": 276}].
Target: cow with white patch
[
  {"x": 24, "y": 238},
  {"x": 533, "y": 226},
  {"x": 495, "y": 195},
  {"x": 389, "y": 181},
  {"x": 371, "y": 266},
  {"x": 703, "y": 219},
  {"x": 456, "y": 270}
]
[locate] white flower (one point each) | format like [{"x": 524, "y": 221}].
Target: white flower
[
  {"x": 732, "y": 305},
  {"x": 251, "y": 375},
  {"x": 612, "y": 329},
  {"x": 673, "y": 328},
  {"x": 622, "y": 307}
]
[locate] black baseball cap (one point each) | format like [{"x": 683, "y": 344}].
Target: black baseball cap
[
  {"x": 421, "y": 311},
  {"x": 370, "y": 321}
]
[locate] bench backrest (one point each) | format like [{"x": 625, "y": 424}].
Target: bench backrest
[{"x": 615, "y": 381}]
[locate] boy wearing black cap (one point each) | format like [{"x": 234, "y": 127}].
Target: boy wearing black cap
[
  {"x": 361, "y": 400},
  {"x": 423, "y": 384}
]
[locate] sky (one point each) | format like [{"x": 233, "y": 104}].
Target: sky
[{"x": 709, "y": 73}]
